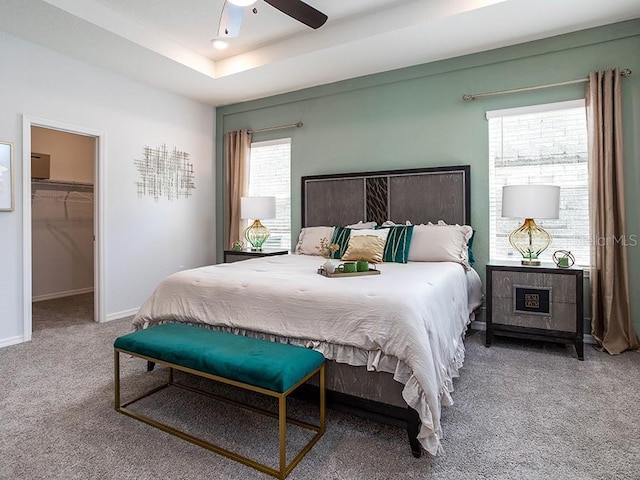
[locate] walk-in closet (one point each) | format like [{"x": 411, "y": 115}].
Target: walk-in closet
[{"x": 62, "y": 226}]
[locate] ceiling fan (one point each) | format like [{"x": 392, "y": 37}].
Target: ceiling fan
[{"x": 231, "y": 17}]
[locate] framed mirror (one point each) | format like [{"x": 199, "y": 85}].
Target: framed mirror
[{"x": 6, "y": 177}]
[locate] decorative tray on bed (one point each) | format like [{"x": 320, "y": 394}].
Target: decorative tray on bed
[{"x": 324, "y": 273}]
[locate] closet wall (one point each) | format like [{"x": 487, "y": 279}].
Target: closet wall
[{"x": 62, "y": 210}]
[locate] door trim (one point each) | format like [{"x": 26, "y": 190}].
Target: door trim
[{"x": 99, "y": 213}]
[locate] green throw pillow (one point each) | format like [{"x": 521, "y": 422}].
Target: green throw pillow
[
  {"x": 398, "y": 241},
  {"x": 341, "y": 238},
  {"x": 471, "y": 258}
]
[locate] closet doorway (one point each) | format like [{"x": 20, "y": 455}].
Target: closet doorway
[
  {"x": 62, "y": 262},
  {"x": 62, "y": 206}
]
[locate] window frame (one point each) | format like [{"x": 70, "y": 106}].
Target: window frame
[
  {"x": 494, "y": 231},
  {"x": 269, "y": 222}
]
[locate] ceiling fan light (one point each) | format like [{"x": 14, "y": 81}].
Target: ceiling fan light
[{"x": 242, "y": 3}]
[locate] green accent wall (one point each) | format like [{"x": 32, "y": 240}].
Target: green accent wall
[{"x": 415, "y": 117}]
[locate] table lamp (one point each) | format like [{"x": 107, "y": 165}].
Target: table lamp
[
  {"x": 256, "y": 208},
  {"x": 529, "y": 201}
]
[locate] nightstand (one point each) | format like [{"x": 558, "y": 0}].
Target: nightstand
[
  {"x": 538, "y": 303},
  {"x": 231, "y": 256}
]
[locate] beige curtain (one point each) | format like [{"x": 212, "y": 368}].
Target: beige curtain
[
  {"x": 237, "y": 146},
  {"x": 611, "y": 324}
]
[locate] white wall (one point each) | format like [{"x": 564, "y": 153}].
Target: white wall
[{"x": 144, "y": 239}]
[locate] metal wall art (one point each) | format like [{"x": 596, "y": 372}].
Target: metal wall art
[{"x": 164, "y": 173}]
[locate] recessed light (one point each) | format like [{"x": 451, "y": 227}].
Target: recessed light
[
  {"x": 219, "y": 44},
  {"x": 243, "y": 3}
]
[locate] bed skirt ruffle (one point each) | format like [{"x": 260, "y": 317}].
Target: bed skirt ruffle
[{"x": 377, "y": 361}]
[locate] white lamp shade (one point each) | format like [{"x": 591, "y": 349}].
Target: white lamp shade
[
  {"x": 531, "y": 201},
  {"x": 258, "y": 208}
]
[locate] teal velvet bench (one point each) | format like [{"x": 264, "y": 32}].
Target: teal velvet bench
[{"x": 273, "y": 369}]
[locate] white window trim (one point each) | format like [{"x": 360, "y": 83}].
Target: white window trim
[
  {"x": 276, "y": 141},
  {"x": 543, "y": 107}
]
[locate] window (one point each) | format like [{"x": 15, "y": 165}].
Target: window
[
  {"x": 270, "y": 175},
  {"x": 541, "y": 144}
]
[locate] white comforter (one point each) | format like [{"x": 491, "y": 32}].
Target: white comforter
[{"x": 409, "y": 320}]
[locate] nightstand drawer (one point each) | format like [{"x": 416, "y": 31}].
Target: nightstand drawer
[
  {"x": 562, "y": 318},
  {"x": 563, "y": 287},
  {"x": 231, "y": 256}
]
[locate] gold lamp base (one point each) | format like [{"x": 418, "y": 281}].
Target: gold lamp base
[
  {"x": 532, "y": 263},
  {"x": 256, "y": 234},
  {"x": 530, "y": 240}
]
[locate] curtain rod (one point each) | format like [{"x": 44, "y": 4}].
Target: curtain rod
[
  {"x": 472, "y": 96},
  {"x": 281, "y": 127}
]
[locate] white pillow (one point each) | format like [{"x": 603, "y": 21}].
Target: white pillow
[
  {"x": 440, "y": 243},
  {"x": 310, "y": 237},
  {"x": 361, "y": 224},
  {"x": 380, "y": 232}
]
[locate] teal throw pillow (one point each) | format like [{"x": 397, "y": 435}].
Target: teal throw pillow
[
  {"x": 341, "y": 238},
  {"x": 396, "y": 248},
  {"x": 471, "y": 258}
]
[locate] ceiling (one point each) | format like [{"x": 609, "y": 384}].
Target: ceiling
[{"x": 167, "y": 43}]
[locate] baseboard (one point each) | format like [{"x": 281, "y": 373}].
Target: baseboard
[
  {"x": 5, "y": 342},
  {"x": 586, "y": 338},
  {"x": 477, "y": 325},
  {"x": 123, "y": 314},
  {"x": 68, "y": 293}
]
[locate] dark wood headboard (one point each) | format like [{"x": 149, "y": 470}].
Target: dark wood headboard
[{"x": 418, "y": 195}]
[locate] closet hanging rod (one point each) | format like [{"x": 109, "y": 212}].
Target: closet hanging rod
[
  {"x": 472, "y": 96},
  {"x": 281, "y": 127},
  {"x": 61, "y": 185}
]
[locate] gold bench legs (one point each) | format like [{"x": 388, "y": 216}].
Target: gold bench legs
[{"x": 284, "y": 468}]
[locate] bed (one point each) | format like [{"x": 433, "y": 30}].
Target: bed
[{"x": 394, "y": 340}]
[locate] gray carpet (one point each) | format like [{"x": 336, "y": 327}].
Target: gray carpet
[
  {"x": 62, "y": 312},
  {"x": 523, "y": 410}
]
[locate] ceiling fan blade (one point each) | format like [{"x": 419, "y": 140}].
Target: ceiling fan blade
[
  {"x": 230, "y": 20},
  {"x": 300, "y": 11}
]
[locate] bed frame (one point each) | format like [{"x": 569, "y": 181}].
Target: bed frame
[{"x": 419, "y": 195}]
